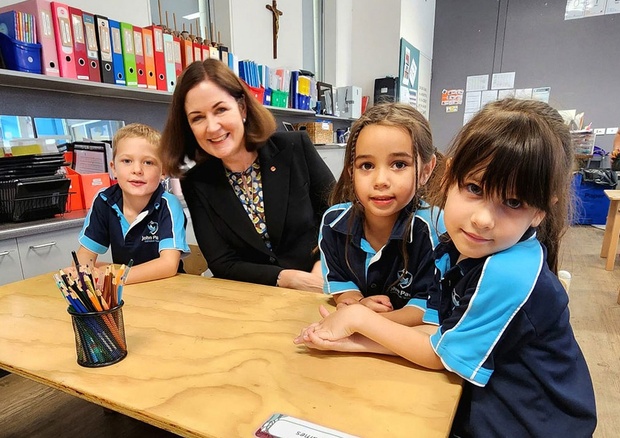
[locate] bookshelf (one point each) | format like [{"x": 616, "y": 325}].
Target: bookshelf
[{"x": 47, "y": 96}]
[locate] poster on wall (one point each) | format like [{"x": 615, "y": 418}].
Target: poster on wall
[{"x": 409, "y": 63}]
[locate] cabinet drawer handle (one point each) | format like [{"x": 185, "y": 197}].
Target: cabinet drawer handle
[
  {"x": 4, "y": 253},
  {"x": 43, "y": 245}
]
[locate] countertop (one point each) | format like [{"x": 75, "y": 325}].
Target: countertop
[{"x": 12, "y": 230}]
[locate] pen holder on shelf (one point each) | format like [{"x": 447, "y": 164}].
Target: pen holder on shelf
[{"x": 99, "y": 337}]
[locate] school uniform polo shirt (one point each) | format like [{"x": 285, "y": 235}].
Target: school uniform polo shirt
[
  {"x": 161, "y": 225},
  {"x": 505, "y": 329},
  {"x": 349, "y": 263}
]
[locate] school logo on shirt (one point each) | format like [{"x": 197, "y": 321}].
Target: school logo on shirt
[
  {"x": 152, "y": 228},
  {"x": 456, "y": 299},
  {"x": 405, "y": 281}
]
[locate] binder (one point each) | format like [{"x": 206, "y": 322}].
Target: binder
[
  {"x": 118, "y": 65},
  {"x": 197, "y": 51},
  {"x": 205, "y": 51},
  {"x": 79, "y": 44},
  {"x": 64, "y": 40},
  {"x": 104, "y": 42},
  {"x": 129, "y": 54},
  {"x": 169, "y": 57},
  {"x": 92, "y": 48},
  {"x": 178, "y": 57},
  {"x": 139, "y": 49},
  {"x": 214, "y": 52},
  {"x": 149, "y": 59},
  {"x": 187, "y": 53},
  {"x": 223, "y": 54},
  {"x": 159, "y": 57},
  {"x": 42, "y": 11}
]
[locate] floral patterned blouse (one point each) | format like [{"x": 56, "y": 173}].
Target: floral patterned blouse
[{"x": 248, "y": 187}]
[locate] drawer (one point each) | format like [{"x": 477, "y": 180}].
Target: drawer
[
  {"x": 42, "y": 253},
  {"x": 10, "y": 266}
]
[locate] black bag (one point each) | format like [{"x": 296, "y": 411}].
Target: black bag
[{"x": 601, "y": 177}]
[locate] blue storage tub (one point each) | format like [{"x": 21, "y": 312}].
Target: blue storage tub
[
  {"x": 591, "y": 203},
  {"x": 20, "y": 56}
]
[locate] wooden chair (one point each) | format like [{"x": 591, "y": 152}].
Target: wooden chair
[
  {"x": 195, "y": 263},
  {"x": 612, "y": 230}
]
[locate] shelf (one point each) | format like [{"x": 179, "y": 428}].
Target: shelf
[
  {"x": 328, "y": 117},
  {"x": 17, "y": 79}
]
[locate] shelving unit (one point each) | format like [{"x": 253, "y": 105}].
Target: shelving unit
[{"x": 35, "y": 95}]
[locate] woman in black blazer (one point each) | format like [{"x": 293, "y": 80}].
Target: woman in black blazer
[{"x": 256, "y": 197}]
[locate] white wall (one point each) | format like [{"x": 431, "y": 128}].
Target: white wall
[
  {"x": 365, "y": 44},
  {"x": 136, "y": 12},
  {"x": 417, "y": 24},
  {"x": 252, "y": 32}
]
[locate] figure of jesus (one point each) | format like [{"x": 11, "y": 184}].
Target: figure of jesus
[{"x": 273, "y": 7}]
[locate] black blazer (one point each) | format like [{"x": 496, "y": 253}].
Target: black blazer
[{"x": 296, "y": 184}]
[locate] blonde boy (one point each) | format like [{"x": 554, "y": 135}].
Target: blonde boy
[{"x": 136, "y": 218}]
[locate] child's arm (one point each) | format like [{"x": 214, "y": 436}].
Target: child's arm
[
  {"x": 378, "y": 303},
  {"x": 409, "y": 315},
  {"x": 384, "y": 336},
  {"x": 166, "y": 265},
  {"x": 87, "y": 257}
]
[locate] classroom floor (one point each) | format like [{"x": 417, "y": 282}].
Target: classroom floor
[{"x": 29, "y": 409}]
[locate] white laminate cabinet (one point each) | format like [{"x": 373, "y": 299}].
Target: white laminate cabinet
[
  {"x": 10, "y": 266},
  {"x": 47, "y": 252}
]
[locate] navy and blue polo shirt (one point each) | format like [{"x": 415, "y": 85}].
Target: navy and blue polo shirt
[
  {"x": 504, "y": 327},
  {"x": 161, "y": 225},
  {"x": 349, "y": 263}
]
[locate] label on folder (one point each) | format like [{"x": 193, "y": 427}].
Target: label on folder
[{"x": 285, "y": 426}]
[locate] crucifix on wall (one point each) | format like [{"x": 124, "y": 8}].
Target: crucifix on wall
[{"x": 273, "y": 7}]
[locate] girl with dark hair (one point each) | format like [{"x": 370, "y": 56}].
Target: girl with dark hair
[
  {"x": 500, "y": 317},
  {"x": 377, "y": 239}
]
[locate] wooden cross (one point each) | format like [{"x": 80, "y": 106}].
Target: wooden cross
[{"x": 273, "y": 7}]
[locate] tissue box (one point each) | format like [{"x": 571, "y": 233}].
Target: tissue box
[{"x": 349, "y": 101}]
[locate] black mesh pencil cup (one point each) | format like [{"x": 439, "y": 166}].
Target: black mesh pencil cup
[{"x": 99, "y": 337}]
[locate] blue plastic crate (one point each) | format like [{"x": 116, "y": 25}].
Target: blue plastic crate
[{"x": 20, "y": 56}]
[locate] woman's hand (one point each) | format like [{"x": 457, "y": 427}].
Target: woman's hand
[{"x": 301, "y": 280}]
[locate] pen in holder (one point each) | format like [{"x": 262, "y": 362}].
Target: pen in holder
[
  {"x": 99, "y": 336},
  {"x": 96, "y": 309}
]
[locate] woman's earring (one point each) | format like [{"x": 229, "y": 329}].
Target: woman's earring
[{"x": 244, "y": 120}]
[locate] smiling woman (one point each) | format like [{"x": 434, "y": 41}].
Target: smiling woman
[{"x": 255, "y": 197}]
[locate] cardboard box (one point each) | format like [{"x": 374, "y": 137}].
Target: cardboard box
[
  {"x": 319, "y": 132},
  {"x": 349, "y": 101},
  {"x": 90, "y": 184}
]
